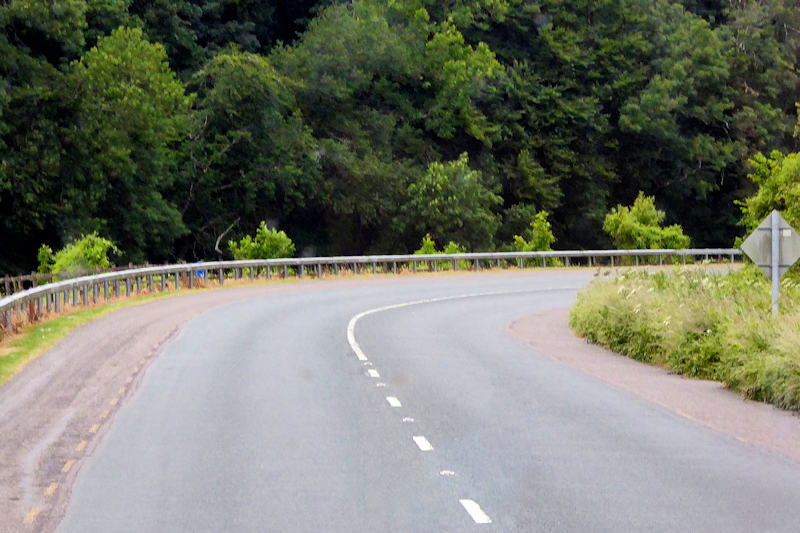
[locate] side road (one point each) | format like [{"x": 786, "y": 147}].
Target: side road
[{"x": 705, "y": 402}]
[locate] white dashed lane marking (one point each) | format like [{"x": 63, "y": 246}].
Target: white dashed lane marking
[
  {"x": 476, "y": 512},
  {"x": 373, "y": 373},
  {"x": 394, "y": 402},
  {"x": 423, "y": 443}
]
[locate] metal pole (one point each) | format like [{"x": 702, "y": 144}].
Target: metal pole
[
  {"x": 177, "y": 280},
  {"x": 776, "y": 258},
  {"x": 221, "y": 277}
]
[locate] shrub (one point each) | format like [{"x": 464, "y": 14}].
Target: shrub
[
  {"x": 540, "y": 239},
  {"x": 639, "y": 227},
  {"x": 87, "y": 253},
  {"x": 701, "y": 325},
  {"x": 267, "y": 244},
  {"x": 429, "y": 248}
]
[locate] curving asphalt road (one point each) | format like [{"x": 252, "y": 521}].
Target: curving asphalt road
[{"x": 261, "y": 417}]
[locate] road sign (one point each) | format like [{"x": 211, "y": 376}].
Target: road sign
[{"x": 774, "y": 247}]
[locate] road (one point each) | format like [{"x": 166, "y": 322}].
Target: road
[{"x": 261, "y": 417}]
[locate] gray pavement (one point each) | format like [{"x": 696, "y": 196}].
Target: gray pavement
[{"x": 259, "y": 417}]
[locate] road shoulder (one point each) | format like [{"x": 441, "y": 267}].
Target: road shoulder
[{"x": 705, "y": 402}]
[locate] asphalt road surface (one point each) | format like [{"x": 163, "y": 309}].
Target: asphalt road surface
[{"x": 262, "y": 416}]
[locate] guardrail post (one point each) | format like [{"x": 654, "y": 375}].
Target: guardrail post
[
  {"x": 127, "y": 287},
  {"x": 455, "y": 265},
  {"x": 660, "y": 262},
  {"x": 374, "y": 267},
  {"x": 191, "y": 279},
  {"x": 336, "y": 269},
  {"x": 355, "y": 269},
  {"x": 150, "y": 282},
  {"x": 520, "y": 263},
  {"x": 302, "y": 271},
  {"x": 269, "y": 272},
  {"x": 39, "y": 306},
  {"x": 138, "y": 284},
  {"x": 498, "y": 263},
  {"x": 636, "y": 259},
  {"x": 47, "y": 303},
  {"x": 415, "y": 267},
  {"x": 252, "y": 273},
  {"x": 221, "y": 277},
  {"x": 7, "y": 319},
  {"x": 116, "y": 288},
  {"x": 285, "y": 271},
  {"x": 94, "y": 292},
  {"x": 477, "y": 265},
  {"x": 105, "y": 289},
  {"x": 75, "y": 297},
  {"x": 85, "y": 293},
  {"x": 566, "y": 260},
  {"x": 319, "y": 270},
  {"x": 394, "y": 267},
  {"x": 57, "y": 301},
  {"x": 177, "y": 280}
]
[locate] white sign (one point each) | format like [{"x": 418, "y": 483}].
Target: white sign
[{"x": 774, "y": 247}]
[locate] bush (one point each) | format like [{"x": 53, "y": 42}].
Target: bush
[
  {"x": 701, "y": 325},
  {"x": 267, "y": 244},
  {"x": 639, "y": 227},
  {"x": 87, "y": 253},
  {"x": 429, "y": 248},
  {"x": 540, "y": 239}
]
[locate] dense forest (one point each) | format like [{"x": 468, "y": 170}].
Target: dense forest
[{"x": 172, "y": 126}]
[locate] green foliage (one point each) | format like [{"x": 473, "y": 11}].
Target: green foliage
[
  {"x": 87, "y": 253},
  {"x": 45, "y": 258},
  {"x": 778, "y": 180},
  {"x": 452, "y": 204},
  {"x": 429, "y": 248},
  {"x": 639, "y": 227},
  {"x": 541, "y": 235},
  {"x": 267, "y": 244},
  {"x": 134, "y": 112},
  {"x": 708, "y": 326},
  {"x": 252, "y": 157}
]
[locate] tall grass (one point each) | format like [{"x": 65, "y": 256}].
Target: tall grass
[{"x": 701, "y": 325}]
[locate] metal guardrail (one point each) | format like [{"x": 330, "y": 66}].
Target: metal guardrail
[{"x": 35, "y": 302}]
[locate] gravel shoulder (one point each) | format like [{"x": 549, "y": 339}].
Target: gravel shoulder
[{"x": 705, "y": 402}]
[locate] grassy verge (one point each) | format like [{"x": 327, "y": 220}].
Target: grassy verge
[{"x": 701, "y": 325}]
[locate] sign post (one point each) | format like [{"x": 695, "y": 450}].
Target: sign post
[{"x": 774, "y": 247}]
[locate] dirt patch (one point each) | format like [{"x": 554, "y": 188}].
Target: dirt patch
[{"x": 705, "y": 402}]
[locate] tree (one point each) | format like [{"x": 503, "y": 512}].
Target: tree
[
  {"x": 778, "y": 181},
  {"x": 639, "y": 227},
  {"x": 451, "y": 203},
  {"x": 251, "y": 158},
  {"x": 134, "y": 114}
]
